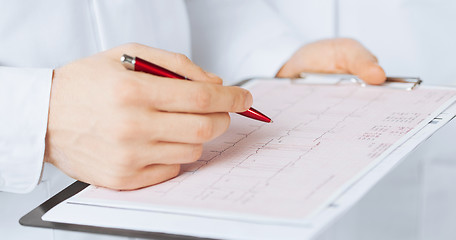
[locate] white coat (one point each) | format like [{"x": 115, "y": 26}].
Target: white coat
[{"x": 234, "y": 39}]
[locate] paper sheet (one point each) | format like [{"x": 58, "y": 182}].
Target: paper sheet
[
  {"x": 322, "y": 139},
  {"x": 231, "y": 229}
]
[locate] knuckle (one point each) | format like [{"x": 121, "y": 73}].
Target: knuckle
[
  {"x": 131, "y": 47},
  {"x": 202, "y": 98},
  {"x": 197, "y": 151},
  {"x": 126, "y": 130},
  {"x": 159, "y": 99},
  {"x": 181, "y": 59},
  {"x": 238, "y": 100},
  {"x": 174, "y": 170},
  {"x": 127, "y": 92},
  {"x": 235, "y": 103},
  {"x": 126, "y": 160},
  {"x": 227, "y": 121},
  {"x": 218, "y": 80},
  {"x": 204, "y": 129}
]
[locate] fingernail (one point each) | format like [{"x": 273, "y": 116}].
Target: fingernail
[{"x": 248, "y": 100}]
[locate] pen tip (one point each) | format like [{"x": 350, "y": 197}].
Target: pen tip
[{"x": 271, "y": 121}]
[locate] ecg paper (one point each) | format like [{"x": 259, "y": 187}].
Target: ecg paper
[{"x": 323, "y": 138}]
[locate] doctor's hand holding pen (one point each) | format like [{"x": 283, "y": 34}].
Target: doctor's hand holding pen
[{"x": 122, "y": 129}]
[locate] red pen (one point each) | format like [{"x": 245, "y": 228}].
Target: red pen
[{"x": 138, "y": 64}]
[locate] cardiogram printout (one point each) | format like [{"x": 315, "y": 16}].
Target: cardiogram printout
[{"x": 323, "y": 138}]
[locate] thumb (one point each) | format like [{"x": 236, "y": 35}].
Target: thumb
[
  {"x": 362, "y": 63},
  {"x": 370, "y": 72}
]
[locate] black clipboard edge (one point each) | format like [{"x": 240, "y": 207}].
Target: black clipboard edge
[{"x": 33, "y": 219}]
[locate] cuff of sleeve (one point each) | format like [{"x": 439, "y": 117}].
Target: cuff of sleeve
[
  {"x": 268, "y": 58},
  {"x": 24, "y": 102}
]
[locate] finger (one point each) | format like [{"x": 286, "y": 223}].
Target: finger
[
  {"x": 214, "y": 78},
  {"x": 157, "y": 173},
  {"x": 147, "y": 176},
  {"x": 370, "y": 72},
  {"x": 361, "y": 62},
  {"x": 184, "y": 128},
  {"x": 195, "y": 97},
  {"x": 175, "y": 62},
  {"x": 164, "y": 153}
]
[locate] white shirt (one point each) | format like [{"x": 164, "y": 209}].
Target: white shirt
[{"x": 242, "y": 39}]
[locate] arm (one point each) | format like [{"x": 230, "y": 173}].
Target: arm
[{"x": 24, "y": 101}]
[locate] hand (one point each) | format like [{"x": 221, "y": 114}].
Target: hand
[
  {"x": 121, "y": 129},
  {"x": 335, "y": 56}
]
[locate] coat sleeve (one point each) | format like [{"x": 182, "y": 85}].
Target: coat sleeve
[
  {"x": 24, "y": 105},
  {"x": 239, "y": 39}
]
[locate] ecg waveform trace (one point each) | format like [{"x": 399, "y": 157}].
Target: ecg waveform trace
[{"x": 321, "y": 138}]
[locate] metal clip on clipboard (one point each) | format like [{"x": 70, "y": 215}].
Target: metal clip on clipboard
[{"x": 406, "y": 83}]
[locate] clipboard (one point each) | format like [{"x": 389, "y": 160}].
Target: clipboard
[{"x": 34, "y": 219}]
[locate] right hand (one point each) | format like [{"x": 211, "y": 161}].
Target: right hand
[{"x": 121, "y": 129}]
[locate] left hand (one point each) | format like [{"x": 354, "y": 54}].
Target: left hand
[{"x": 340, "y": 55}]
